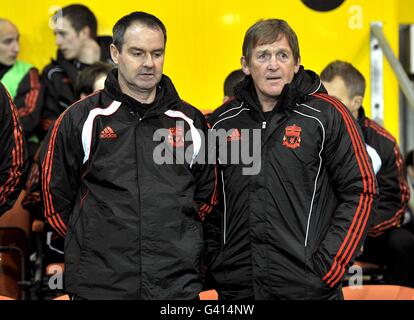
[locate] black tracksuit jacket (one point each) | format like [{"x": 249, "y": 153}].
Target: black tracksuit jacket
[
  {"x": 394, "y": 191},
  {"x": 133, "y": 228},
  {"x": 13, "y": 153},
  {"x": 290, "y": 231},
  {"x": 28, "y": 100}
]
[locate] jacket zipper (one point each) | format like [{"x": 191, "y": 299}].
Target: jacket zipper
[
  {"x": 135, "y": 115},
  {"x": 140, "y": 119}
]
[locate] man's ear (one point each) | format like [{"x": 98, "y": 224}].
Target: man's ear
[
  {"x": 85, "y": 33},
  {"x": 356, "y": 102},
  {"x": 297, "y": 65},
  {"x": 245, "y": 66},
  {"x": 114, "y": 53}
]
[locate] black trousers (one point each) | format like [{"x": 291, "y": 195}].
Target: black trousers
[{"x": 395, "y": 250}]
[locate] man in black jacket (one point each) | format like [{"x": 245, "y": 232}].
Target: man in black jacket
[
  {"x": 294, "y": 221},
  {"x": 388, "y": 242},
  {"x": 13, "y": 153},
  {"x": 20, "y": 78},
  {"x": 132, "y": 225},
  {"x": 75, "y": 28}
]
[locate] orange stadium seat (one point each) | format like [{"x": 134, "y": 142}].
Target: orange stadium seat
[
  {"x": 14, "y": 248},
  {"x": 209, "y": 295},
  {"x": 62, "y": 297},
  {"x": 378, "y": 292}
]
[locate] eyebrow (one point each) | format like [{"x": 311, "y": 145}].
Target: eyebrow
[
  {"x": 139, "y": 49},
  {"x": 284, "y": 50},
  {"x": 8, "y": 38},
  {"x": 60, "y": 31}
]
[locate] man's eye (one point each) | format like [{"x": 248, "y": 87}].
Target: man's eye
[
  {"x": 283, "y": 55},
  {"x": 263, "y": 56}
]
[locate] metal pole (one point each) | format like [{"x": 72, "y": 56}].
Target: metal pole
[{"x": 404, "y": 82}]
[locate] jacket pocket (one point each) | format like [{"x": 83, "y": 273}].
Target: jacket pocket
[
  {"x": 319, "y": 265},
  {"x": 318, "y": 288}
]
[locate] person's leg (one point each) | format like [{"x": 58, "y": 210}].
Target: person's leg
[
  {"x": 373, "y": 250},
  {"x": 400, "y": 257}
]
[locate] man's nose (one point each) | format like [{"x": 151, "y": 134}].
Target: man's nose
[
  {"x": 273, "y": 63},
  {"x": 16, "y": 47},
  {"x": 148, "y": 62},
  {"x": 58, "y": 40}
]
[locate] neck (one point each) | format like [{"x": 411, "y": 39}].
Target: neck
[
  {"x": 90, "y": 53},
  {"x": 267, "y": 103},
  {"x": 355, "y": 114},
  {"x": 139, "y": 95},
  {"x": 3, "y": 66},
  {"x": 3, "y": 70}
]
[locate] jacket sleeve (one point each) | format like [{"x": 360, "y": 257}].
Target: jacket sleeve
[
  {"x": 394, "y": 192},
  {"x": 351, "y": 175},
  {"x": 58, "y": 95},
  {"x": 13, "y": 153},
  {"x": 32, "y": 201},
  {"x": 29, "y": 101},
  {"x": 61, "y": 157},
  {"x": 205, "y": 174},
  {"x": 213, "y": 222}
]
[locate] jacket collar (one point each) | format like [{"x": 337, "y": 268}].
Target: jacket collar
[
  {"x": 166, "y": 96},
  {"x": 361, "y": 116}
]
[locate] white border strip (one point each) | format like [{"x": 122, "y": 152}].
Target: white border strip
[
  {"x": 320, "y": 84},
  {"x": 88, "y": 126},
  {"x": 305, "y": 105},
  {"x": 231, "y": 109},
  {"x": 317, "y": 175},
  {"x": 194, "y": 133},
  {"x": 230, "y": 117}
]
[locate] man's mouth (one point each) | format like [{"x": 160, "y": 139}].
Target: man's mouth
[
  {"x": 273, "y": 78},
  {"x": 146, "y": 75}
]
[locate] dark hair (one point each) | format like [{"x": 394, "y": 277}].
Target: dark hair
[
  {"x": 409, "y": 159},
  {"x": 87, "y": 77},
  {"x": 354, "y": 80},
  {"x": 79, "y": 17},
  {"x": 232, "y": 79},
  {"x": 269, "y": 31},
  {"x": 135, "y": 17}
]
